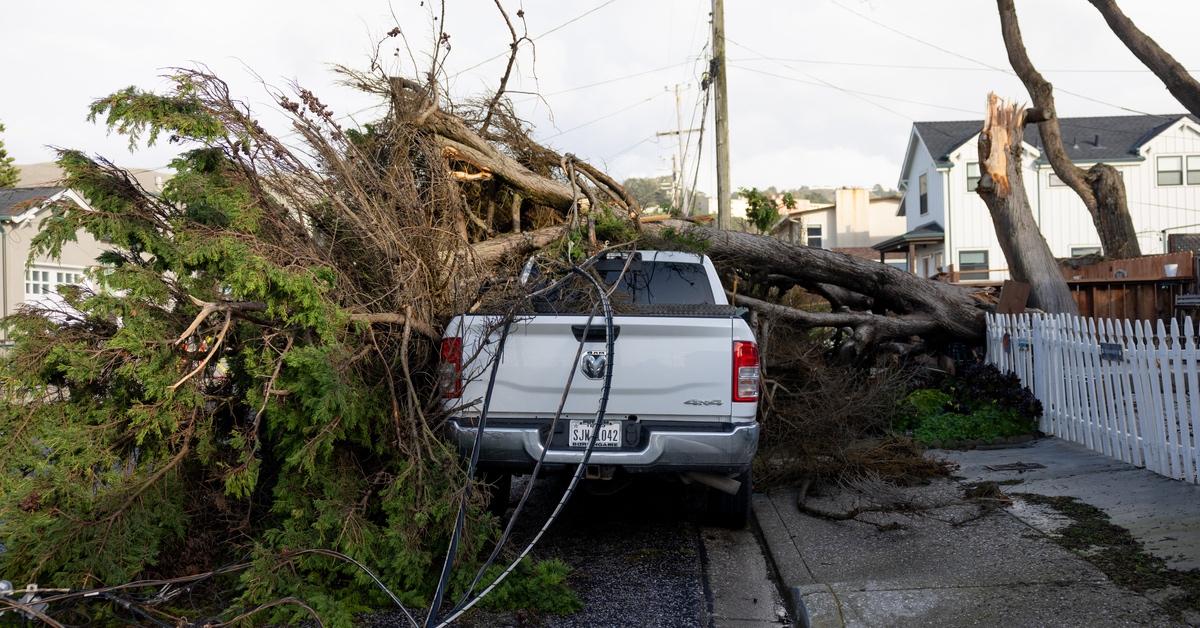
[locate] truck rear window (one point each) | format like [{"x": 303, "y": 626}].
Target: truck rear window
[
  {"x": 657, "y": 283},
  {"x": 639, "y": 287}
]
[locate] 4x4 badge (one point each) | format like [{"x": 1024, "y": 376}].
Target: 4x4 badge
[{"x": 594, "y": 364}]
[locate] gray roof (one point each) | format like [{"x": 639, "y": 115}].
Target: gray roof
[
  {"x": 1095, "y": 138},
  {"x": 928, "y": 232},
  {"x": 15, "y": 201}
]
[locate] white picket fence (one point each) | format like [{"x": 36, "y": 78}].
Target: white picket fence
[{"x": 1127, "y": 389}]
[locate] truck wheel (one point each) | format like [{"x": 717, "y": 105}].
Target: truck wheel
[
  {"x": 499, "y": 487},
  {"x": 732, "y": 511}
]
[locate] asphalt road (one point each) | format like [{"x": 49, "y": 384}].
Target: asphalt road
[{"x": 642, "y": 556}]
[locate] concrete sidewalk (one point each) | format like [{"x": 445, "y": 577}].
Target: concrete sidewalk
[
  {"x": 1162, "y": 513},
  {"x": 940, "y": 570}
]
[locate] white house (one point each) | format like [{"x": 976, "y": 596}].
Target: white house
[
  {"x": 949, "y": 228},
  {"x": 25, "y": 280}
]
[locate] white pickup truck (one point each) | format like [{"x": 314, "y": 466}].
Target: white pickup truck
[{"x": 684, "y": 393}]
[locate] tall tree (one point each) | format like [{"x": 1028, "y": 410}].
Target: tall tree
[
  {"x": 1002, "y": 188},
  {"x": 1182, "y": 86},
  {"x": 1100, "y": 187},
  {"x": 9, "y": 175}
]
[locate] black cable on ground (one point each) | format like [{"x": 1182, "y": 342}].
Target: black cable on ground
[
  {"x": 448, "y": 565},
  {"x": 570, "y": 490},
  {"x": 512, "y": 521}
]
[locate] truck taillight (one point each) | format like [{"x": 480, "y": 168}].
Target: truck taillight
[
  {"x": 450, "y": 369},
  {"x": 745, "y": 371}
]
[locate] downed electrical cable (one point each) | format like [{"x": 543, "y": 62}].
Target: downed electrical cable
[{"x": 462, "y": 607}]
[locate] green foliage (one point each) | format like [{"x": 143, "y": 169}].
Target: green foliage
[
  {"x": 541, "y": 587},
  {"x": 9, "y": 175},
  {"x": 136, "y": 113},
  {"x": 125, "y": 455},
  {"x": 979, "y": 404},
  {"x": 613, "y": 228},
  {"x": 762, "y": 210}
]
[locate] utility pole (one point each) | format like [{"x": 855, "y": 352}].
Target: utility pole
[
  {"x": 678, "y": 197},
  {"x": 717, "y": 73}
]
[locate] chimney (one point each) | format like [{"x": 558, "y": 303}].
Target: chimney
[{"x": 1097, "y": 142}]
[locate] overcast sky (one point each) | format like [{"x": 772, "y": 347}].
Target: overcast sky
[{"x": 795, "y": 68}]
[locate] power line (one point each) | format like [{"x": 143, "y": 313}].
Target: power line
[
  {"x": 977, "y": 61},
  {"x": 861, "y": 93},
  {"x": 628, "y": 148},
  {"x": 824, "y": 82},
  {"x": 959, "y": 68},
  {"x": 537, "y": 37},
  {"x": 604, "y": 117},
  {"x": 608, "y": 81}
]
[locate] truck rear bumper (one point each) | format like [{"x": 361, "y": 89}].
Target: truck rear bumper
[{"x": 518, "y": 448}]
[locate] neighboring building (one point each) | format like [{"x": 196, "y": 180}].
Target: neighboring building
[
  {"x": 22, "y": 280},
  {"x": 950, "y": 230},
  {"x": 48, "y": 173},
  {"x": 852, "y": 224}
]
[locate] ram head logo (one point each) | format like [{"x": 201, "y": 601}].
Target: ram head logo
[{"x": 594, "y": 364}]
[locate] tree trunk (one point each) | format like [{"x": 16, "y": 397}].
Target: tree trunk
[
  {"x": 1101, "y": 188},
  {"x": 1002, "y": 188},
  {"x": 1174, "y": 76},
  {"x": 922, "y": 306}
]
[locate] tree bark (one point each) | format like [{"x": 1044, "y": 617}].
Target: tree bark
[
  {"x": 943, "y": 309},
  {"x": 1100, "y": 188},
  {"x": 1002, "y": 188},
  {"x": 1174, "y": 76}
]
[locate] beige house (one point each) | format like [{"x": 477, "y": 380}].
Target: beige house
[
  {"x": 852, "y": 224},
  {"x": 23, "y": 280}
]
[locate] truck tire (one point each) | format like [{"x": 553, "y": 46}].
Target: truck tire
[
  {"x": 732, "y": 511},
  {"x": 499, "y": 486}
]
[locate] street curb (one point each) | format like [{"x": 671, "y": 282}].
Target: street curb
[{"x": 783, "y": 559}]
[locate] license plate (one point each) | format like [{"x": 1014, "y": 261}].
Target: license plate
[{"x": 581, "y": 434}]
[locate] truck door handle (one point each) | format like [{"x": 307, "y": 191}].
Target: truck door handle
[{"x": 595, "y": 333}]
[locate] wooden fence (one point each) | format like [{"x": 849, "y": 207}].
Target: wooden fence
[{"x": 1127, "y": 389}]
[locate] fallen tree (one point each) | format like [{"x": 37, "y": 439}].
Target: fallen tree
[
  {"x": 257, "y": 357},
  {"x": 878, "y": 302}
]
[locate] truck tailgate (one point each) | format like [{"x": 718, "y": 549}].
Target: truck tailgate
[{"x": 663, "y": 367}]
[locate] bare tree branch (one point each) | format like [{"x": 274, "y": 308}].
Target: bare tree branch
[
  {"x": 1174, "y": 76},
  {"x": 1100, "y": 188}
]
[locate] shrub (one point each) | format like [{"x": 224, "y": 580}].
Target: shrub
[{"x": 979, "y": 403}]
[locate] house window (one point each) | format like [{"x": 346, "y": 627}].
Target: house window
[
  {"x": 1080, "y": 251},
  {"x": 923, "y": 182},
  {"x": 1193, "y": 170},
  {"x": 42, "y": 280},
  {"x": 813, "y": 234},
  {"x": 973, "y": 266},
  {"x": 1170, "y": 170},
  {"x": 1056, "y": 182},
  {"x": 972, "y": 176}
]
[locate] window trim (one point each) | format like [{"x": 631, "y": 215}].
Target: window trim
[
  {"x": 923, "y": 193},
  {"x": 1188, "y": 170},
  {"x": 1052, "y": 178},
  {"x": 975, "y": 274},
  {"x": 973, "y": 181},
  {"x": 52, "y": 280},
  {"x": 1158, "y": 170},
  {"x": 820, "y": 237},
  {"x": 1099, "y": 250}
]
